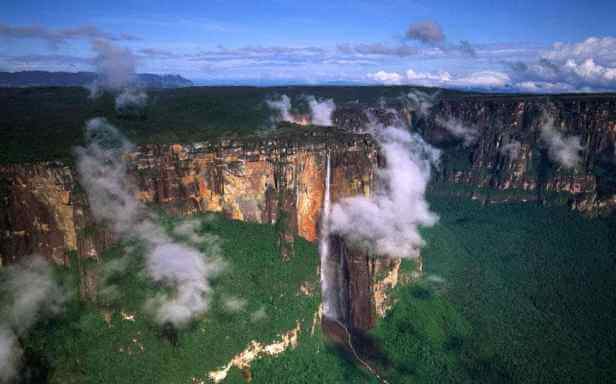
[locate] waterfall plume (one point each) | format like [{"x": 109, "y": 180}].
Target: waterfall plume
[{"x": 329, "y": 309}]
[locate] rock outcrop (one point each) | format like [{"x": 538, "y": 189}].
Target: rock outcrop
[
  {"x": 280, "y": 180},
  {"x": 271, "y": 180},
  {"x": 484, "y": 168}
]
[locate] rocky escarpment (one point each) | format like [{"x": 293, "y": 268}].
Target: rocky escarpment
[
  {"x": 483, "y": 169},
  {"x": 276, "y": 180}
]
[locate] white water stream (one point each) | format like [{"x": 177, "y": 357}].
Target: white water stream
[{"x": 329, "y": 307}]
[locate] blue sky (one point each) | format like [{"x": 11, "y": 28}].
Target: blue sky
[{"x": 478, "y": 44}]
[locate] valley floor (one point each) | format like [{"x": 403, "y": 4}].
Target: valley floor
[{"x": 511, "y": 293}]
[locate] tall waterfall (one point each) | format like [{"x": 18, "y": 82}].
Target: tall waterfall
[{"x": 327, "y": 296}]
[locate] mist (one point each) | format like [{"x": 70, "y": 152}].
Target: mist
[
  {"x": 564, "y": 150},
  {"x": 185, "y": 269},
  {"x": 116, "y": 67},
  {"x": 511, "y": 149},
  {"x": 28, "y": 293},
  {"x": 422, "y": 102},
  {"x": 115, "y": 64},
  {"x": 459, "y": 130},
  {"x": 387, "y": 224},
  {"x": 130, "y": 98},
  {"x": 320, "y": 110}
]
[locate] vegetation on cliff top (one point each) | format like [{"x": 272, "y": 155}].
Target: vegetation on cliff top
[
  {"x": 39, "y": 124},
  {"x": 530, "y": 300}
]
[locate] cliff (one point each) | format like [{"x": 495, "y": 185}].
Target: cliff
[
  {"x": 276, "y": 180},
  {"x": 483, "y": 170},
  {"x": 280, "y": 179}
]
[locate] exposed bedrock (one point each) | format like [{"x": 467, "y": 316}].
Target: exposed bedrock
[
  {"x": 278, "y": 181},
  {"x": 486, "y": 170},
  {"x": 44, "y": 210}
]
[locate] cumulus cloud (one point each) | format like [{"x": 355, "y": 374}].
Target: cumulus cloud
[
  {"x": 480, "y": 79},
  {"x": 601, "y": 49},
  {"x": 28, "y": 293},
  {"x": 564, "y": 150},
  {"x": 440, "y": 77},
  {"x": 387, "y": 78},
  {"x": 511, "y": 149},
  {"x": 130, "y": 99},
  {"x": 584, "y": 66},
  {"x": 458, "y": 129},
  {"x": 181, "y": 267},
  {"x": 376, "y": 223},
  {"x": 428, "y": 32},
  {"x": 320, "y": 110}
]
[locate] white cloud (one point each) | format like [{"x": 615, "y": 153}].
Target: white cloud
[
  {"x": 459, "y": 130},
  {"x": 320, "y": 111},
  {"x": 388, "y": 78},
  {"x": 565, "y": 150},
  {"x": 28, "y": 293},
  {"x": 411, "y": 75},
  {"x": 601, "y": 49},
  {"x": 182, "y": 268},
  {"x": 585, "y": 66},
  {"x": 131, "y": 99},
  {"x": 376, "y": 223},
  {"x": 481, "y": 79}
]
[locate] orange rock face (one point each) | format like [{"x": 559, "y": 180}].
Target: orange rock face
[{"x": 45, "y": 211}]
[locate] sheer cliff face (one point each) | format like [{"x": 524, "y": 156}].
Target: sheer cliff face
[
  {"x": 273, "y": 181},
  {"x": 490, "y": 169},
  {"x": 44, "y": 210}
]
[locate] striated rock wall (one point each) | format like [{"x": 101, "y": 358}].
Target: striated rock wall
[
  {"x": 44, "y": 211},
  {"x": 277, "y": 181},
  {"x": 487, "y": 172}
]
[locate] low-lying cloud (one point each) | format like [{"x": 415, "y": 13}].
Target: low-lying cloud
[
  {"x": 563, "y": 150},
  {"x": 459, "y": 130},
  {"x": 511, "y": 149},
  {"x": 111, "y": 194},
  {"x": 320, "y": 111},
  {"x": 387, "y": 224},
  {"x": 28, "y": 293},
  {"x": 130, "y": 99},
  {"x": 116, "y": 65}
]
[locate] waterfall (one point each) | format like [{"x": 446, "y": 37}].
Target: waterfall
[{"x": 329, "y": 307}]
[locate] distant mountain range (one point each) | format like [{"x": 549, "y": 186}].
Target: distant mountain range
[{"x": 72, "y": 79}]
